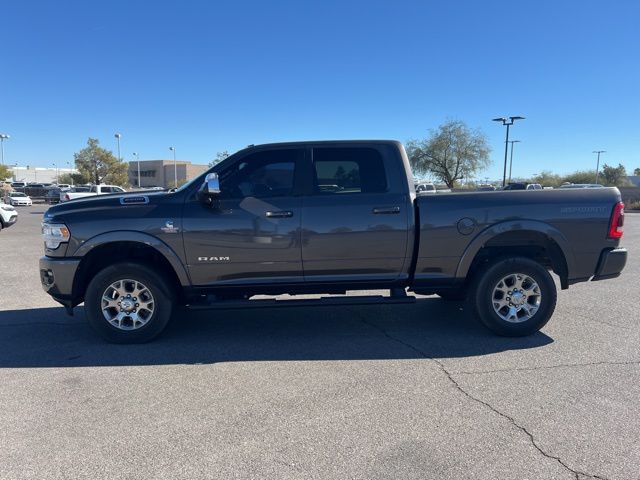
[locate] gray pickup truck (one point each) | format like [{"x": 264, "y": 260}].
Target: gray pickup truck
[{"x": 324, "y": 218}]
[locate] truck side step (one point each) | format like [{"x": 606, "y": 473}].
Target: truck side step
[{"x": 326, "y": 301}]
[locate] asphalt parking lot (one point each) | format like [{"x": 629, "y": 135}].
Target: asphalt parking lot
[{"x": 395, "y": 392}]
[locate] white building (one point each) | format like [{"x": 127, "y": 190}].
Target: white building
[{"x": 38, "y": 174}]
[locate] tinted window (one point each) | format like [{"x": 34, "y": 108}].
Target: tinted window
[
  {"x": 348, "y": 170},
  {"x": 261, "y": 174}
]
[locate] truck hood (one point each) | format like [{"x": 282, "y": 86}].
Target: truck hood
[{"x": 103, "y": 202}]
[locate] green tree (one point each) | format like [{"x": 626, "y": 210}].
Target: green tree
[
  {"x": 636, "y": 172},
  {"x": 547, "y": 178},
  {"x": 99, "y": 165},
  {"x": 220, "y": 156},
  {"x": 73, "y": 178},
  {"x": 614, "y": 176},
  {"x": 580, "y": 176},
  {"x": 450, "y": 153},
  {"x": 5, "y": 188},
  {"x": 5, "y": 173}
]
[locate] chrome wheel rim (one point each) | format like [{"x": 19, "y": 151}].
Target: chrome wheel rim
[
  {"x": 127, "y": 304},
  {"x": 516, "y": 298}
]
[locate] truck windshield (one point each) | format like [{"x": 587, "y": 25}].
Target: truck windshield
[{"x": 199, "y": 178}]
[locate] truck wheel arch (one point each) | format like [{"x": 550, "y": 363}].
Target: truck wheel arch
[
  {"x": 519, "y": 235},
  {"x": 112, "y": 247}
]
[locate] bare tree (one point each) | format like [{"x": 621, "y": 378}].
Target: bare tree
[{"x": 450, "y": 153}]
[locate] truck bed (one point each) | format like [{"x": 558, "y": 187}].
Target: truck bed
[{"x": 454, "y": 227}]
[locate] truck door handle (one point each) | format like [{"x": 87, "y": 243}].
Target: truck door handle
[
  {"x": 279, "y": 214},
  {"x": 386, "y": 210}
]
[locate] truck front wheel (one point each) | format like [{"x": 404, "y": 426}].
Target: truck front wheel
[
  {"x": 128, "y": 303},
  {"x": 515, "y": 296}
]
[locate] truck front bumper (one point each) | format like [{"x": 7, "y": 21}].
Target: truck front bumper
[
  {"x": 611, "y": 263},
  {"x": 56, "y": 277}
]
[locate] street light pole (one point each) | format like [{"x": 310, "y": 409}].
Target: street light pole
[
  {"x": 507, "y": 123},
  {"x": 175, "y": 167},
  {"x": 135, "y": 154},
  {"x": 598, "y": 162},
  {"x": 117, "y": 135},
  {"x": 511, "y": 157},
  {"x": 3, "y": 137}
]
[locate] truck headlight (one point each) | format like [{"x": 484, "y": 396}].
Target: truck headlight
[{"x": 54, "y": 234}]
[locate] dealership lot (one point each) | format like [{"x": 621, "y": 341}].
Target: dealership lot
[{"x": 411, "y": 391}]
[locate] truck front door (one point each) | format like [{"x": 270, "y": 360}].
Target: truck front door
[{"x": 252, "y": 233}]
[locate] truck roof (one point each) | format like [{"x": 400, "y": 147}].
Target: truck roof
[{"x": 325, "y": 142}]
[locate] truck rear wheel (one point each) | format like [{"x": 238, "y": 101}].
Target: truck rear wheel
[
  {"x": 515, "y": 296},
  {"x": 128, "y": 303}
]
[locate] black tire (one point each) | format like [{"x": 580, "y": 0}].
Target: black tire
[
  {"x": 156, "y": 284},
  {"x": 483, "y": 296}
]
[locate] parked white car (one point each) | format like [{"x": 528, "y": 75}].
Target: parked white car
[
  {"x": 19, "y": 199},
  {"x": 8, "y": 215},
  {"x": 93, "y": 191}
]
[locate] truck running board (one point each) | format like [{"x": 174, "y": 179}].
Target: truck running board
[{"x": 328, "y": 301}]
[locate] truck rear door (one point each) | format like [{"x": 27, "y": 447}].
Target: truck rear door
[{"x": 355, "y": 221}]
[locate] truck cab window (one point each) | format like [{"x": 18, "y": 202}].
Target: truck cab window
[
  {"x": 261, "y": 175},
  {"x": 348, "y": 170}
]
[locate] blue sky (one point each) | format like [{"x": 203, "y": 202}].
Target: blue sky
[{"x": 210, "y": 76}]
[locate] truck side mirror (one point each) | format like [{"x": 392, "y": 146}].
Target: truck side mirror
[
  {"x": 211, "y": 184},
  {"x": 210, "y": 188}
]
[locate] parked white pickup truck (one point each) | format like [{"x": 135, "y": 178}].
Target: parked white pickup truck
[{"x": 93, "y": 191}]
